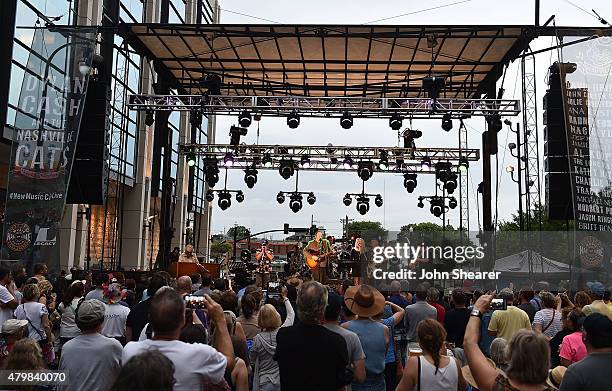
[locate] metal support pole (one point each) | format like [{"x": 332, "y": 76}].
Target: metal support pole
[
  {"x": 520, "y": 181},
  {"x": 487, "y": 221}
]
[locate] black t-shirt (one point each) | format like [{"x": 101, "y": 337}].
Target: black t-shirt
[
  {"x": 310, "y": 358},
  {"x": 455, "y": 322},
  {"x": 138, "y": 318},
  {"x": 529, "y": 309},
  {"x": 555, "y": 344}
]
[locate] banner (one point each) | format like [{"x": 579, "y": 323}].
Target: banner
[{"x": 45, "y": 135}]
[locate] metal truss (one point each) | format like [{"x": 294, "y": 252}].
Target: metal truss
[
  {"x": 332, "y": 158},
  {"x": 361, "y": 107},
  {"x": 464, "y": 198}
]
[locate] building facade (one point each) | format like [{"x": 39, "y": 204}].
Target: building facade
[{"x": 125, "y": 231}]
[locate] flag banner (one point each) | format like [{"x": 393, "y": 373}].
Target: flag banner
[{"x": 44, "y": 139}]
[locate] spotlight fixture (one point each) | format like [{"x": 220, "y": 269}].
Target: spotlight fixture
[
  {"x": 437, "y": 206},
  {"x": 409, "y": 136},
  {"x": 225, "y": 200},
  {"x": 447, "y": 122},
  {"x": 228, "y": 159},
  {"x": 348, "y": 163},
  {"x": 410, "y": 181},
  {"x": 305, "y": 161},
  {"x": 266, "y": 161},
  {"x": 239, "y": 196},
  {"x": 149, "y": 120},
  {"x": 286, "y": 168},
  {"x": 383, "y": 162},
  {"x": 433, "y": 86},
  {"x": 395, "y": 122},
  {"x": 190, "y": 158},
  {"x": 378, "y": 201},
  {"x": 293, "y": 120},
  {"x": 311, "y": 199},
  {"x": 426, "y": 163},
  {"x": 235, "y": 133},
  {"x": 510, "y": 168},
  {"x": 280, "y": 197},
  {"x": 346, "y": 121},
  {"x": 250, "y": 177},
  {"x": 295, "y": 202},
  {"x": 443, "y": 170},
  {"x": 211, "y": 171},
  {"x": 212, "y": 83},
  {"x": 365, "y": 170},
  {"x": 347, "y": 200},
  {"x": 451, "y": 184},
  {"x": 244, "y": 119},
  {"x": 421, "y": 204},
  {"x": 363, "y": 204},
  {"x": 495, "y": 123},
  {"x": 452, "y": 203},
  {"x": 210, "y": 196},
  {"x": 463, "y": 163}
]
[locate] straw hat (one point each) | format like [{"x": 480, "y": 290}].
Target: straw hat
[
  {"x": 364, "y": 300},
  {"x": 555, "y": 376},
  {"x": 469, "y": 378}
]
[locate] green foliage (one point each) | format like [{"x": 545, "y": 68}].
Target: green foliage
[
  {"x": 220, "y": 248},
  {"x": 241, "y": 232},
  {"x": 368, "y": 230}
]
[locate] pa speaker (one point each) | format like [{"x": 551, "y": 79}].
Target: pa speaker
[
  {"x": 89, "y": 173},
  {"x": 559, "y": 202}
]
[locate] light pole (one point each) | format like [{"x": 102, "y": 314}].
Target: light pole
[{"x": 515, "y": 151}]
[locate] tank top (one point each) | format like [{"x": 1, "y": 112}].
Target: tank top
[
  {"x": 372, "y": 337},
  {"x": 446, "y": 379}
]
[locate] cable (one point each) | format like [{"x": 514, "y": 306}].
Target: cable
[
  {"x": 419, "y": 11},
  {"x": 581, "y": 9},
  {"x": 249, "y": 16}
]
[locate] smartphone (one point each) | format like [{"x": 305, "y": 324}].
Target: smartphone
[{"x": 499, "y": 304}]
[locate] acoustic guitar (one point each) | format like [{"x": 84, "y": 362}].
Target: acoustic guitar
[{"x": 314, "y": 263}]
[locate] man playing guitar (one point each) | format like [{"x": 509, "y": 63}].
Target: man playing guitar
[{"x": 316, "y": 253}]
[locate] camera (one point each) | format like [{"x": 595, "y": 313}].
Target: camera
[
  {"x": 274, "y": 292},
  {"x": 194, "y": 301},
  {"x": 499, "y": 304}
]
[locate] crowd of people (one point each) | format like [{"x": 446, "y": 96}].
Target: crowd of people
[{"x": 194, "y": 332}]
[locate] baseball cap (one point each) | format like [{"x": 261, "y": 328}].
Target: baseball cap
[
  {"x": 90, "y": 311},
  {"x": 11, "y": 326},
  {"x": 596, "y": 287}
]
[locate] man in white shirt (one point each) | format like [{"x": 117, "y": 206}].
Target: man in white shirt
[
  {"x": 193, "y": 363},
  {"x": 7, "y": 299},
  {"x": 92, "y": 360}
]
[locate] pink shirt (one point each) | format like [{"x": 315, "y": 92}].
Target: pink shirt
[{"x": 572, "y": 347}]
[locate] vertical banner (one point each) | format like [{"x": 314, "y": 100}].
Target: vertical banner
[{"x": 44, "y": 139}]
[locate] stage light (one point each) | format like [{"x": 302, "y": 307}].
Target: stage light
[
  {"x": 378, "y": 201},
  {"x": 443, "y": 170},
  {"x": 211, "y": 171},
  {"x": 363, "y": 204},
  {"x": 149, "y": 120},
  {"x": 464, "y": 164},
  {"x": 235, "y": 133},
  {"x": 452, "y": 203},
  {"x": 311, "y": 199},
  {"x": 433, "y": 86},
  {"x": 244, "y": 119},
  {"x": 365, "y": 170},
  {"x": 295, "y": 202},
  {"x": 447, "y": 122},
  {"x": 426, "y": 163},
  {"x": 210, "y": 195},
  {"x": 225, "y": 200},
  {"x": 348, "y": 163},
  {"x": 305, "y": 162},
  {"x": 280, "y": 197},
  {"x": 293, "y": 120},
  {"x": 409, "y": 136},
  {"x": 266, "y": 161},
  {"x": 346, "y": 121},
  {"x": 286, "y": 168},
  {"x": 190, "y": 158},
  {"x": 250, "y": 177},
  {"x": 383, "y": 162},
  {"x": 228, "y": 159},
  {"x": 494, "y": 122},
  {"x": 212, "y": 83},
  {"x": 437, "y": 206},
  {"x": 510, "y": 168},
  {"x": 451, "y": 184},
  {"x": 395, "y": 122},
  {"x": 421, "y": 204},
  {"x": 347, "y": 200},
  {"x": 511, "y": 146},
  {"x": 410, "y": 181},
  {"x": 239, "y": 196}
]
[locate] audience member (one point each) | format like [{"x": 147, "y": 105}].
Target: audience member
[
  {"x": 555, "y": 342},
  {"x": 130, "y": 297},
  {"x": 139, "y": 315},
  {"x": 145, "y": 372},
  {"x": 548, "y": 319},
  {"x": 8, "y": 302},
  {"x": 433, "y": 294},
  {"x": 205, "y": 287},
  {"x": 238, "y": 377},
  {"x": 555, "y": 377},
  {"x": 12, "y": 331},
  {"x": 537, "y": 300},
  {"x": 309, "y": 356},
  {"x": 229, "y": 302},
  {"x": 456, "y": 319},
  {"x": 572, "y": 347},
  {"x": 581, "y": 298},
  {"x": 194, "y": 363},
  {"x": 525, "y": 297},
  {"x": 40, "y": 272},
  {"x": 37, "y": 316},
  {"x": 91, "y": 359},
  {"x": 25, "y": 356},
  {"x": 596, "y": 291},
  {"x": 196, "y": 281},
  {"x": 392, "y": 316},
  {"x": 183, "y": 286},
  {"x": 100, "y": 279},
  {"x": 431, "y": 370},
  {"x": 417, "y": 312},
  {"x": 115, "y": 315},
  {"x": 499, "y": 347},
  {"x": 506, "y": 323},
  {"x": 67, "y": 309},
  {"x": 591, "y": 372},
  {"x": 396, "y": 295},
  {"x": 248, "y": 316}
]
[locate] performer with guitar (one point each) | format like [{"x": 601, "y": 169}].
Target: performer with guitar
[
  {"x": 264, "y": 257},
  {"x": 317, "y": 252}
]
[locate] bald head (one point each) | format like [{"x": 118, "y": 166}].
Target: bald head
[{"x": 183, "y": 284}]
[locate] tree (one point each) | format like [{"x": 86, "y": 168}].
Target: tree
[
  {"x": 368, "y": 230},
  {"x": 241, "y": 232},
  {"x": 220, "y": 248}
]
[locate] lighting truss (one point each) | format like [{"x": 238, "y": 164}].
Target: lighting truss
[
  {"x": 356, "y": 107},
  {"x": 331, "y": 158}
]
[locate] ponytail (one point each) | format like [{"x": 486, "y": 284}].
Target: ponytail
[{"x": 431, "y": 336}]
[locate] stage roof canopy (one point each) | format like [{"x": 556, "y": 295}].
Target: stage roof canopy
[{"x": 325, "y": 60}]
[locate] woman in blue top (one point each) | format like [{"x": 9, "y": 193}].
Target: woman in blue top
[
  {"x": 393, "y": 314},
  {"x": 366, "y": 302}
]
